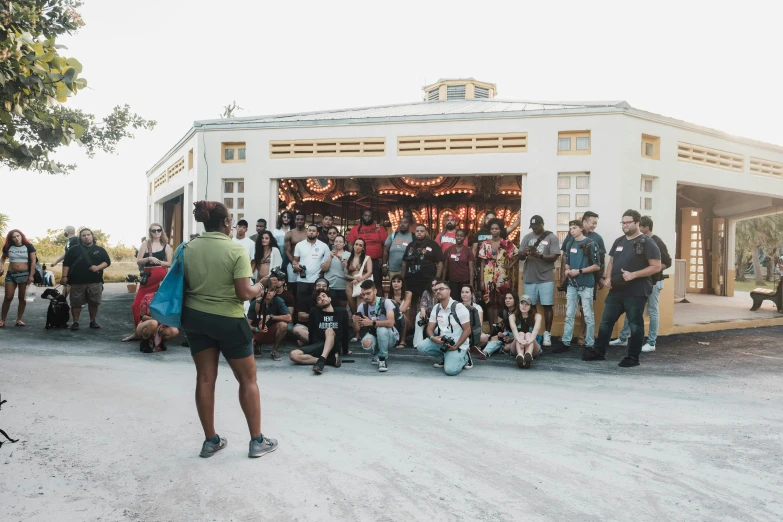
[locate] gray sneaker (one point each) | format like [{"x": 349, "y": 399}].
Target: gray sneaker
[
  {"x": 259, "y": 449},
  {"x": 438, "y": 364},
  {"x": 209, "y": 448},
  {"x": 374, "y": 359}
]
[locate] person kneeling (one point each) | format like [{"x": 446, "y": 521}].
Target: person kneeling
[
  {"x": 268, "y": 317},
  {"x": 375, "y": 318},
  {"x": 153, "y": 334},
  {"x": 326, "y": 328},
  {"x": 452, "y": 320}
]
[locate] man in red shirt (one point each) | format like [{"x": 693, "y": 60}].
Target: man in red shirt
[
  {"x": 448, "y": 237},
  {"x": 374, "y": 236}
]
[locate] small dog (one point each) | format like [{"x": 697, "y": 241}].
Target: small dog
[
  {"x": 132, "y": 278},
  {"x": 59, "y": 313}
]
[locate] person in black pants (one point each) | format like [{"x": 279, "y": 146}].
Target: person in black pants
[{"x": 327, "y": 327}]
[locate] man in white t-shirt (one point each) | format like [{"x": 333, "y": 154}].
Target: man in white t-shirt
[
  {"x": 309, "y": 255},
  {"x": 375, "y": 317},
  {"x": 243, "y": 240},
  {"x": 452, "y": 320}
]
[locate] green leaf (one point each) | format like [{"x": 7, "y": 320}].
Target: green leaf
[
  {"x": 78, "y": 130},
  {"x": 73, "y": 62},
  {"x": 81, "y": 83},
  {"x": 62, "y": 92},
  {"x": 69, "y": 75}
]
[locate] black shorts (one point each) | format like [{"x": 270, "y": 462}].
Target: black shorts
[
  {"x": 316, "y": 350},
  {"x": 231, "y": 335},
  {"x": 338, "y": 295}
]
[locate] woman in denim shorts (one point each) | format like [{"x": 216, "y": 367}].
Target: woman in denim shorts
[
  {"x": 217, "y": 282},
  {"x": 21, "y": 256}
]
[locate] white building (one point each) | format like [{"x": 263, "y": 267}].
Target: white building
[{"x": 563, "y": 157}]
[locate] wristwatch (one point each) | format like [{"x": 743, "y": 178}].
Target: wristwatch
[
  {"x": 373, "y": 324},
  {"x": 580, "y": 270}
]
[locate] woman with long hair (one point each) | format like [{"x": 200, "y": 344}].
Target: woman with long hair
[
  {"x": 478, "y": 338},
  {"x": 217, "y": 282},
  {"x": 525, "y": 326},
  {"x": 502, "y": 336},
  {"x": 267, "y": 256},
  {"x": 357, "y": 268},
  {"x": 335, "y": 272},
  {"x": 402, "y": 297},
  {"x": 497, "y": 255},
  {"x": 154, "y": 259},
  {"x": 21, "y": 256}
]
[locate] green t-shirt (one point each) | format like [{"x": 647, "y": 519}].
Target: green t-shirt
[{"x": 212, "y": 262}]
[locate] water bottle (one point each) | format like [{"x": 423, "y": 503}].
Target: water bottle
[{"x": 29, "y": 295}]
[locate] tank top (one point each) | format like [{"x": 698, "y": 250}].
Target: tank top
[{"x": 160, "y": 254}]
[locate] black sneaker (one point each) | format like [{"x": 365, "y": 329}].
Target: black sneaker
[
  {"x": 562, "y": 348},
  {"x": 590, "y": 354},
  {"x": 145, "y": 346},
  {"x": 628, "y": 362},
  {"x": 75, "y": 325},
  {"x": 257, "y": 350},
  {"x": 318, "y": 367},
  {"x": 469, "y": 364}
]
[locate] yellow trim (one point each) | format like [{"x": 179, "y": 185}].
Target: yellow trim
[
  {"x": 707, "y": 157},
  {"x": 159, "y": 181},
  {"x": 232, "y": 145},
  {"x": 190, "y": 159},
  {"x": 176, "y": 168},
  {"x": 470, "y": 86},
  {"x": 573, "y": 135},
  {"x": 655, "y": 141},
  {"x": 766, "y": 167},
  {"x": 344, "y": 147},
  {"x": 461, "y": 144}
]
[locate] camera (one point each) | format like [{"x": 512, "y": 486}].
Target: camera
[
  {"x": 506, "y": 338},
  {"x": 302, "y": 270},
  {"x": 563, "y": 286},
  {"x": 279, "y": 274},
  {"x": 421, "y": 322},
  {"x": 447, "y": 341}
]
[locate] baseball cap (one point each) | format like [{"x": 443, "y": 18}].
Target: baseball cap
[
  {"x": 526, "y": 298},
  {"x": 536, "y": 220}
]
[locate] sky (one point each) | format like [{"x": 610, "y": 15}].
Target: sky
[{"x": 176, "y": 62}]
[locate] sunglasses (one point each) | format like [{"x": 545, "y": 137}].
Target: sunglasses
[{"x": 156, "y": 230}]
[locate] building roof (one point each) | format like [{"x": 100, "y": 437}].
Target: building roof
[{"x": 431, "y": 109}]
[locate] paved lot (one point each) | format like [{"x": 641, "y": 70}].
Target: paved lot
[{"x": 107, "y": 433}]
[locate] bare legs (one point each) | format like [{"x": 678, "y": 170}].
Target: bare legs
[
  {"x": 249, "y": 396},
  {"x": 10, "y": 290}
]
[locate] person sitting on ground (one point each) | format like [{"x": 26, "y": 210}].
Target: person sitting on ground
[
  {"x": 153, "y": 335},
  {"x": 266, "y": 256},
  {"x": 327, "y": 327},
  {"x": 502, "y": 336},
  {"x": 48, "y": 277},
  {"x": 83, "y": 268},
  {"x": 300, "y": 330},
  {"x": 21, "y": 255},
  {"x": 375, "y": 318},
  {"x": 525, "y": 326},
  {"x": 268, "y": 317},
  {"x": 402, "y": 297},
  {"x": 448, "y": 333},
  {"x": 478, "y": 338}
]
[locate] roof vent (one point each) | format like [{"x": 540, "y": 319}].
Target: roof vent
[{"x": 459, "y": 89}]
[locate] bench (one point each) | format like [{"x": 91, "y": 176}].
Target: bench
[{"x": 760, "y": 295}]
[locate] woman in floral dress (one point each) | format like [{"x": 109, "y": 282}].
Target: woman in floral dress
[{"x": 497, "y": 256}]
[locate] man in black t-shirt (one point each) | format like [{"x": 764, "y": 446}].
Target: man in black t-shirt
[
  {"x": 83, "y": 268},
  {"x": 633, "y": 259},
  {"x": 268, "y": 317},
  {"x": 421, "y": 263},
  {"x": 327, "y": 327},
  {"x": 72, "y": 241}
]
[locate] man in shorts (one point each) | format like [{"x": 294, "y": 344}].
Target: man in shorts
[
  {"x": 540, "y": 249},
  {"x": 268, "y": 318},
  {"x": 83, "y": 268},
  {"x": 327, "y": 327}
]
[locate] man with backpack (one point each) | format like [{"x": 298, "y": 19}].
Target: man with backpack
[
  {"x": 376, "y": 317},
  {"x": 83, "y": 268},
  {"x": 582, "y": 262},
  {"x": 448, "y": 333},
  {"x": 540, "y": 249}
]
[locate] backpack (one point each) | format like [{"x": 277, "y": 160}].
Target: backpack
[
  {"x": 399, "y": 318},
  {"x": 474, "y": 323}
]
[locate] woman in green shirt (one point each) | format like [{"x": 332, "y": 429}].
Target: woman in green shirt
[{"x": 217, "y": 282}]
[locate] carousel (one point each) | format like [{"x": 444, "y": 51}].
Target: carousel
[{"x": 430, "y": 199}]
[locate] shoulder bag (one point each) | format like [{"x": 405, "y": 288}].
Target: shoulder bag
[{"x": 357, "y": 290}]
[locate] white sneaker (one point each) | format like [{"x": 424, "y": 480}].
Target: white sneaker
[
  {"x": 438, "y": 364},
  {"x": 382, "y": 366},
  {"x": 648, "y": 347},
  {"x": 547, "y": 339},
  {"x": 619, "y": 342}
]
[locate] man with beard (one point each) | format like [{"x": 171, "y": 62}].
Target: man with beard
[
  {"x": 327, "y": 327},
  {"x": 421, "y": 263},
  {"x": 633, "y": 258},
  {"x": 323, "y": 229},
  {"x": 394, "y": 248},
  {"x": 540, "y": 249},
  {"x": 309, "y": 256},
  {"x": 448, "y": 237},
  {"x": 83, "y": 268},
  {"x": 374, "y": 236},
  {"x": 292, "y": 237},
  {"x": 260, "y": 228}
]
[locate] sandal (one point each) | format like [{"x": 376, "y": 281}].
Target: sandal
[
  {"x": 20, "y": 323},
  {"x": 132, "y": 337},
  {"x": 400, "y": 346}
]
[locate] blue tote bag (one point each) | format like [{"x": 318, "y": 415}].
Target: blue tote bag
[{"x": 166, "y": 306}]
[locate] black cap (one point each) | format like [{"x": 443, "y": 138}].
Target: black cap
[{"x": 536, "y": 220}]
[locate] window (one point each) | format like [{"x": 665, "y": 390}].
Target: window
[
  {"x": 575, "y": 143},
  {"x": 433, "y": 95},
  {"x": 647, "y": 204},
  {"x": 646, "y": 194},
  {"x": 563, "y": 200},
  {"x": 481, "y": 92},
  {"x": 231, "y": 189},
  {"x": 564, "y": 182},
  {"x": 228, "y": 202},
  {"x": 562, "y": 218},
  {"x": 228, "y": 187},
  {"x": 582, "y": 200},
  {"x": 647, "y": 185},
  {"x": 651, "y": 147},
  {"x": 455, "y": 92},
  {"x": 583, "y": 182},
  {"x": 573, "y": 192},
  {"x": 233, "y": 152},
  {"x": 708, "y": 157},
  {"x": 190, "y": 159},
  {"x": 241, "y": 187},
  {"x": 240, "y": 203}
]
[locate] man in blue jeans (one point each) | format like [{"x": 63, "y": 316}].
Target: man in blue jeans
[
  {"x": 451, "y": 319},
  {"x": 633, "y": 258},
  {"x": 582, "y": 258},
  {"x": 646, "y": 226},
  {"x": 375, "y": 317}
]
